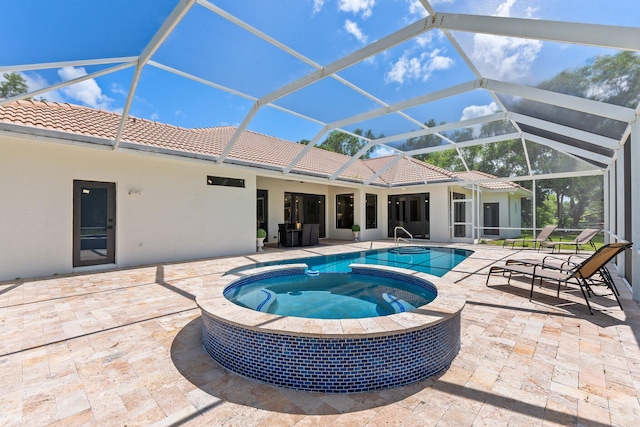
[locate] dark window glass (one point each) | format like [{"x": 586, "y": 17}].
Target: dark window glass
[
  {"x": 225, "y": 182},
  {"x": 344, "y": 211},
  {"x": 372, "y": 211}
]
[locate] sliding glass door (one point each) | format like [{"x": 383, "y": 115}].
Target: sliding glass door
[
  {"x": 305, "y": 209},
  {"x": 410, "y": 212}
]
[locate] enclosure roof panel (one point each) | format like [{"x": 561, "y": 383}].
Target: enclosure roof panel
[{"x": 384, "y": 72}]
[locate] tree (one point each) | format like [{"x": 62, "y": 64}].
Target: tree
[
  {"x": 13, "y": 85},
  {"x": 343, "y": 143}
]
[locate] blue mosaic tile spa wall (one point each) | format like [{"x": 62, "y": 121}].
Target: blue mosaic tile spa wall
[{"x": 335, "y": 365}]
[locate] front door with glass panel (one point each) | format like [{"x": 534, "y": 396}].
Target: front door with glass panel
[
  {"x": 94, "y": 216},
  {"x": 491, "y": 219}
]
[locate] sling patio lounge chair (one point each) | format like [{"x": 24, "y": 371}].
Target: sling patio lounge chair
[
  {"x": 542, "y": 237},
  {"x": 590, "y": 272},
  {"x": 584, "y": 238}
]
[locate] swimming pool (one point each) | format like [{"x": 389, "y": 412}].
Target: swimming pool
[
  {"x": 332, "y": 295},
  {"x": 436, "y": 261}
]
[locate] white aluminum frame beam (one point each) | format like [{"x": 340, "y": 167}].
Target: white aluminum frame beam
[
  {"x": 372, "y": 49},
  {"x": 570, "y": 132},
  {"x": 607, "y": 36},
  {"x": 464, "y": 144},
  {"x": 62, "y": 64},
  {"x": 567, "y": 149},
  {"x": 589, "y": 106},
  {"x": 554, "y": 175},
  {"x": 383, "y": 169},
  {"x": 441, "y": 128},
  {"x": 68, "y": 83},
  {"x": 156, "y": 41},
  {"x": 352, "y": 160},
  {"x": 634, "y": 203},
  {"x": 227, "y": 89}
]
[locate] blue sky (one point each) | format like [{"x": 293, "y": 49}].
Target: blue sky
[{"x": 212, "y": 48}]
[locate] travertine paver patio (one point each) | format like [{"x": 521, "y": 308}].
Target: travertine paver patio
[{"x": 123, "y": 348}]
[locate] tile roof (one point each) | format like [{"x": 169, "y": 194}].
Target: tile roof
[
  {"x": 251, "y": 148},
  {"x": 495, "y": 185}
]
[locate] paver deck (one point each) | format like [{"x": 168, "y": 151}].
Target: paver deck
[{"x": 123, "y": 347}]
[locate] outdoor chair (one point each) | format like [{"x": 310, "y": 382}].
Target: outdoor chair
[
  {"x": 284, "y": 238},
  {"x": 584, "y": 238},
  {"x": 310, "y": 234},
  {"x": 590, "y": 272},
  {"x": 306, "y": 234},
  {"x": 544, "y": 235}
]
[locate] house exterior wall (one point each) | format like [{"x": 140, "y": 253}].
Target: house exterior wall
[
  {"x": 515, "y": 216},
  {"x": 509, "y": 212},
  {"x": 439, "y": 205},
  {"x": 276, "y": 188},
  {"x": 342, "y": 233},
  {"x": 175, "y": 216},
  {"x": 438, "y": 209}
]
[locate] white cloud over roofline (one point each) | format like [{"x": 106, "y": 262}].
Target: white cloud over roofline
[{"x": 87, "y": 92}]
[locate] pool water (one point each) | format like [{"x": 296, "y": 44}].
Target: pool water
[
  {"x": 431, "y": 260},
  {"x": 331, "y": 295}
]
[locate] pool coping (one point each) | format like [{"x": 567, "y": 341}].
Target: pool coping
[{"x": 446, "y": 304}]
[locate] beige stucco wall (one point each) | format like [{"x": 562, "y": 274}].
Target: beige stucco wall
[
  {"x": 509, "y": 213},
  {"x": 175, "y": 217},
  {"x": 277, "y": 187}
]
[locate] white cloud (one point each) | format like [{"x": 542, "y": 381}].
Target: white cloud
[
  {"x": 473, "y": 111},
  {"x": 504, "y": 9},
  {"x": 505, "y": 58},
  {"x": 353, "y": 29},
  {"x": 357, "y": 6},
  {"x": 116, "y": 88},
  {"x": 87, "y": 92},
  {"x": 317, "y": 5},
  {"x": 154, "y": 117},
  {"x": 381, "y": 151},
  {"x": 416, "y": 8},
  {"x": 35, "y": 82},
  {"x": 420, "y": 67},
  {"x": 424, "y": 39}
]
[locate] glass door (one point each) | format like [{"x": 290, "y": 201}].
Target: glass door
[
  {"x": 305, "y": 209},
  {"x": 410, "y": 212},
  {"x": 94, "y": 215},
  {"x": 491, "y": 219},
  {"x": 262, "y": 212}
]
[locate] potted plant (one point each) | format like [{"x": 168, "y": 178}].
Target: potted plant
[
  {"x": 261, "y": 233},
  {"x": 356, "y": 232}
]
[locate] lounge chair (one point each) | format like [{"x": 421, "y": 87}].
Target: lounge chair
[
  {"x": 584, "y": 238},
  {"x": 542, "y": 237},
  {"x": 590, "y": 272}
]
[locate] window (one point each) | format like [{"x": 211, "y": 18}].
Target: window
[
  {"x": 372, "y": 211},
  {"x": 344, "y": 211},
  {"x": 225, "y": 182}
]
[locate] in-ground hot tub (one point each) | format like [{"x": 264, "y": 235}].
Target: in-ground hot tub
[{"x": 332, "y": 355}]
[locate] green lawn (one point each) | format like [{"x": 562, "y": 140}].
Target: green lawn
[{"x": 557, "y": 236}]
